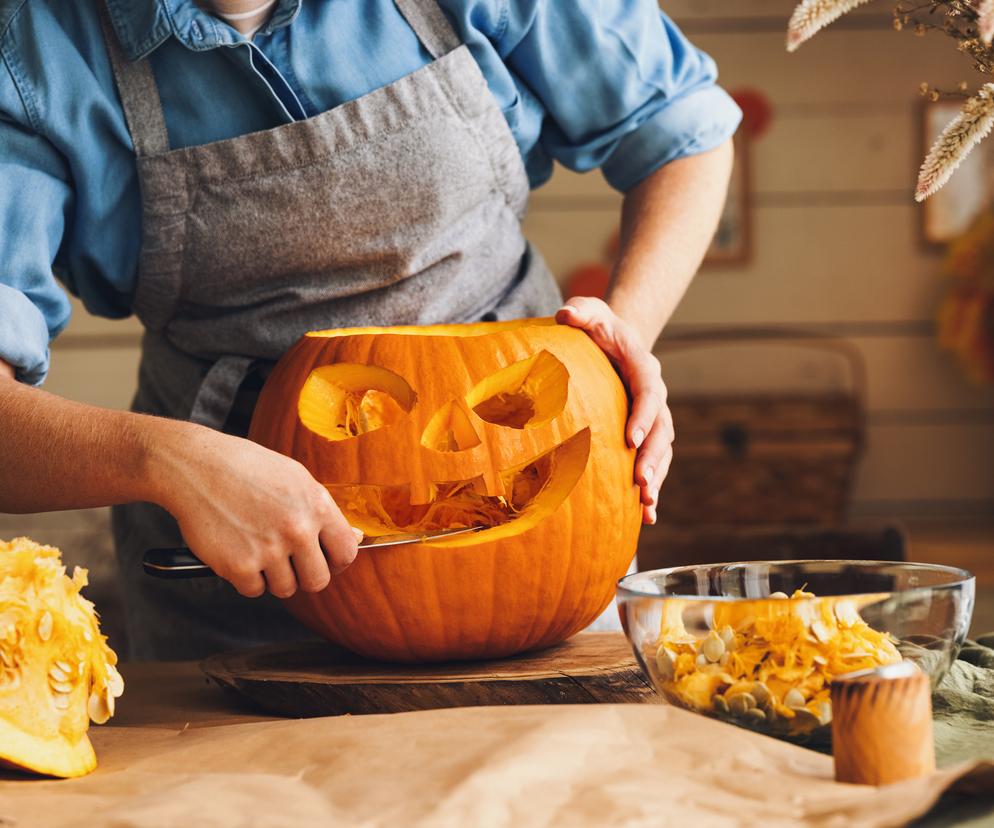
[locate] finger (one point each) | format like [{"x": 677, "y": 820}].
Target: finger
[
  {"x": 311, "y": 568},
  {"x": 579, "y": 310},
  {"x": 654, "y": 459},
  {"x": 648, "y": 402},
  {"x": 341, "y": 544},
  {"x": 250, "y": 585},
  {"x": 596, "y": 318},
  {"x": 649, "y": 514},
  {"x": 280, "y": 578}
]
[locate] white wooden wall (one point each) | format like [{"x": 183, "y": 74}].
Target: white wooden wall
[
  {"x": 835, "y": 249},
  {"x": 836, "y": 244}
]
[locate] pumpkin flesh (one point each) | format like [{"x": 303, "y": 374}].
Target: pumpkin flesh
[{"x": 56, "y": 670}]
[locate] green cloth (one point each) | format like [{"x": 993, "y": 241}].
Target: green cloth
[
  {"x": 964, "y": 706},
  {"x": 964, "y": 729}
]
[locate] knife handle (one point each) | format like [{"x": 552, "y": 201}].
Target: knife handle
[{"x": 175, "y": 562}]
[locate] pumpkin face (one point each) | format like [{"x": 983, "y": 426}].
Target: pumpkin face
[{"x": 515, "y": 426}]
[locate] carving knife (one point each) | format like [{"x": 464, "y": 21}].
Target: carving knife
[{"x": 180, "y": 562}]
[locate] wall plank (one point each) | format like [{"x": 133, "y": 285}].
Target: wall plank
[
  {"x": 812, "y": 264},
  {"x": 847, "y": 67},
  {"x": 869, "y": 155}
]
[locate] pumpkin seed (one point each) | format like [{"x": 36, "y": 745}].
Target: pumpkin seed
[
  {"x": 713, "y": 647},
  {"x": 718, "y": 703},
  {"x": 97, "y": 709},
  {"x": 114, "y": 682},
  {"x": 665, "y": 664},
  {"x": 846, "y": 613},
  {"x": 61, "y": 701},
  {"x": 821, "y": 632},
  {"x": 60, "y": 686},
  {"x": 805, "y": 720},
  {"x": 754, "y": 715},
  {"x": 761, "y": 693},
  {"x": 741, "y": 702},
  {"x": 825, "y": 712},
  {"x": 727, "y": 635},
  {"x": 702, "y": 661},
  {"x": 6, "y": 657},
  {"x": 778, "y": 594},
  {"x": 45, "y": 626},
  {"x": 63, "y": 666},
  {"x": 57, "y": 673},
  {"x": 793, "y": 699},
  {"x": 109, "y": 701}
]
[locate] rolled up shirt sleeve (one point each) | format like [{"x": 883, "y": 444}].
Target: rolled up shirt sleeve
[
  {"x": 35, "y": 198},
  {"x": 623, "y": 88}
]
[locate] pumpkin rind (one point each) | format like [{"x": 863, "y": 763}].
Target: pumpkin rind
[
  {"x": 56, "y": 670},
  {"x": 539, "y": 576}
]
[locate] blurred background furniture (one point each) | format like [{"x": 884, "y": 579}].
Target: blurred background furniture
[{"x": 663, "y": 546}]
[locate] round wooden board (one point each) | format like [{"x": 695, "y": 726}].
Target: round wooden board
[{"x": 319, "y": 679}]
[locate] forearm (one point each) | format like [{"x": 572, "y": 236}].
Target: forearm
[
  {"x": 59, "y": 454},
  {"x": 667, "y": 223}
]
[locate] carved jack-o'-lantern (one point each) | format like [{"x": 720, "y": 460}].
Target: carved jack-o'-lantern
[{"x": 516, "y": 426}]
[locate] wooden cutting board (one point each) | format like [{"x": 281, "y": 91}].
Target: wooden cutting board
[{"x": 319, "y": 679}]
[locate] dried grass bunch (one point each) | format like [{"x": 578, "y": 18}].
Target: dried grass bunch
[{"x": 971, "y": 24}]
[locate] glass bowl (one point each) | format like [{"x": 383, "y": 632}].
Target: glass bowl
[{"x": 758, "y": 643}]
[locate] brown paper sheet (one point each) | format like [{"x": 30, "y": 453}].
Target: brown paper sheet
[{"x": 597, "y": 765}]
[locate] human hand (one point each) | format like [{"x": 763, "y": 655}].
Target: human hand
[
  {"x": 257, "y": 518},
  {"x": 650, "y": 426}
]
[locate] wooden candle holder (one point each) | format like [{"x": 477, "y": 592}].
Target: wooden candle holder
[{"x": 882, "y": 725}]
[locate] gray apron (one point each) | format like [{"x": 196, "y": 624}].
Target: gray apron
[{"x": 403, "y": 206}]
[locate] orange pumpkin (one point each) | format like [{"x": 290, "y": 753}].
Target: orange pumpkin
[{"x": 517, "y": 426}]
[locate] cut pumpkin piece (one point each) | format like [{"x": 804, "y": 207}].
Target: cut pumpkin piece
[{"x": 56, "y": 670}]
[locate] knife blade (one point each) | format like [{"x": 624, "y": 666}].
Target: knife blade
[{"x": 180, "y": 562}]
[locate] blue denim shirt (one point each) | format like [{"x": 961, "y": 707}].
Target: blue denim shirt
[{"x": 589, "y": 83}]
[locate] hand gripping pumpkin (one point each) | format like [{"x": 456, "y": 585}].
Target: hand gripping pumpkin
[
  {"x": 516, "y": 426},
  {"x": 56, "y": 670}
]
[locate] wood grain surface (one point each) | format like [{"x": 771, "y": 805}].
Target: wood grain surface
[{"x": 319, "y": 679}]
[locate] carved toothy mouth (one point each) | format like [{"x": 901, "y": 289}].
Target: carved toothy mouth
[{"x": 533, "y": 491}]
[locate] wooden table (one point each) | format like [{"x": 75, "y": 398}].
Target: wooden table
[{"x": 180, "y": 752}]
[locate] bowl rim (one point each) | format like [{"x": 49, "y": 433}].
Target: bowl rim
[{"x": 624, "y": 589}]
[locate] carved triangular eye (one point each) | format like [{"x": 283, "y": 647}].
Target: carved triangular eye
[
  {"x": 450, "y": 429},
  {"x": 344, "y": 400},
  {"x": 524, "y": 394}
]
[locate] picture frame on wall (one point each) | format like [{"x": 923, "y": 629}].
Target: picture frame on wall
[
  {"x": 949, "y": 212},
  {"x": 732, "y": 243}
]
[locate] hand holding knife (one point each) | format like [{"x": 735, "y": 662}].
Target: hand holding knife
[{"x": 180, "y": 562}]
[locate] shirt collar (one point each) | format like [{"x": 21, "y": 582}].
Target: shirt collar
[{"x": 143, "y": 25}]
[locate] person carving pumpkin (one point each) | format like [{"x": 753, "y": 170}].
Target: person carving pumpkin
[{"x": 237, "y": 173}]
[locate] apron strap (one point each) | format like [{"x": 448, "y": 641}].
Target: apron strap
[
  {"x": 217, "y": 392},
  {"x": 139, "y": 94},
  {"x": 430, "y": 25}
]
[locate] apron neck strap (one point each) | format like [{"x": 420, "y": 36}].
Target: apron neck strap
[
  {"x": 139, "y": 94},
  {"x": 430, "y": 25}
]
